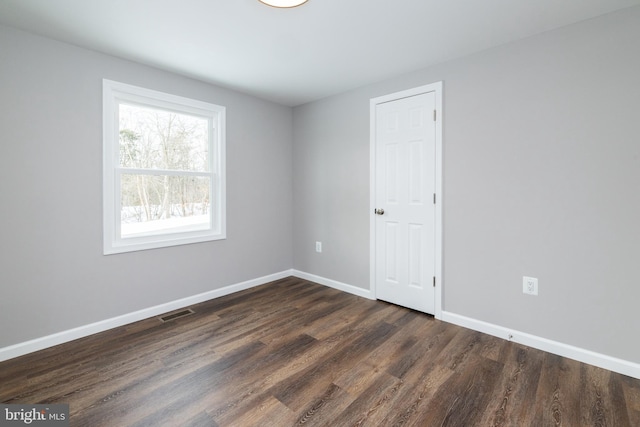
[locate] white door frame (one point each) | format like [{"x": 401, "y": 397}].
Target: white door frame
[{"x": 437, "y": 89}]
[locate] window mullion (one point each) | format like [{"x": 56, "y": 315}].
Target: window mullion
[{"x": 170, "y": 172}]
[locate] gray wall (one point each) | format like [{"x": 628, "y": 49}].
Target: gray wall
[
  {"x": 53, "y": 275},
  {"x": 541, "y": 178}
]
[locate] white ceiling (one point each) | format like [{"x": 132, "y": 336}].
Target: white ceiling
[{"x": 297, "y": 55}]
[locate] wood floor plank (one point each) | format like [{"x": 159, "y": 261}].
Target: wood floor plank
[
  {"x": 270, "y": 409},
  {"x": 631, "y": 397},
  {"x": 453, "y": 407},
  {"x": 421, "y": 377},
  {"x": 324, "y": 407},
  {"x": 304, "y": 386},
  {"x": 293, "y": 352},
  {"x": 246, "y": 387},
  {"x": 559, "y": 393},
  {"x": 371, "y": 402},
  {"x": 518, "y": 384}
]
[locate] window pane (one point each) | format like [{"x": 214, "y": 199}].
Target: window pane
[
  {"x": 159, "y": 204},
  {"x": 159, "y": 139}
]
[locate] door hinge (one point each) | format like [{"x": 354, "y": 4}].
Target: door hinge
[
  {"x": 434, "y": 281},
  {"x": 434, "y": 198},
  {"x": 434, "y": 115}
]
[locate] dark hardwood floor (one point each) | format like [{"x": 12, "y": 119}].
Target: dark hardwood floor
[{"x": 293, "y": 352}]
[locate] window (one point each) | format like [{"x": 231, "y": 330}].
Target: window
[{"x": 164, "y": 169}]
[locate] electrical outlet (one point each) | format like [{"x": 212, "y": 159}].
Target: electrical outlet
[
  {"x": 530, "y": 285},
  {"x": 318, "y": 247}
]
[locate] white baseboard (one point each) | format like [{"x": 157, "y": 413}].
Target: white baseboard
[
  {"x": 365, "y": 293},
  {"x": 72, "y": 334},
  {"x": 586, "y": 356}
]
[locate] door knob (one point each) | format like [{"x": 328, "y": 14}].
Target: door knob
[{"x": 378, "y": 211}]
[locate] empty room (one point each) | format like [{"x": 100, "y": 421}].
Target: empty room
[{"x": 320, "y": 212}]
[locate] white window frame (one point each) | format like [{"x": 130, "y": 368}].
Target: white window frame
[{"x": 113, "y": 94}]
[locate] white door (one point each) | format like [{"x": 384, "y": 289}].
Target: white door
[{"x": 404, "y": 201}]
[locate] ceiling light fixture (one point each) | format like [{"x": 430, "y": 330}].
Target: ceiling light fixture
[{"x": 283, "y": 3}]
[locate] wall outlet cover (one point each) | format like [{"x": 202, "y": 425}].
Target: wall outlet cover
[{"x": 530, "y": 285}]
